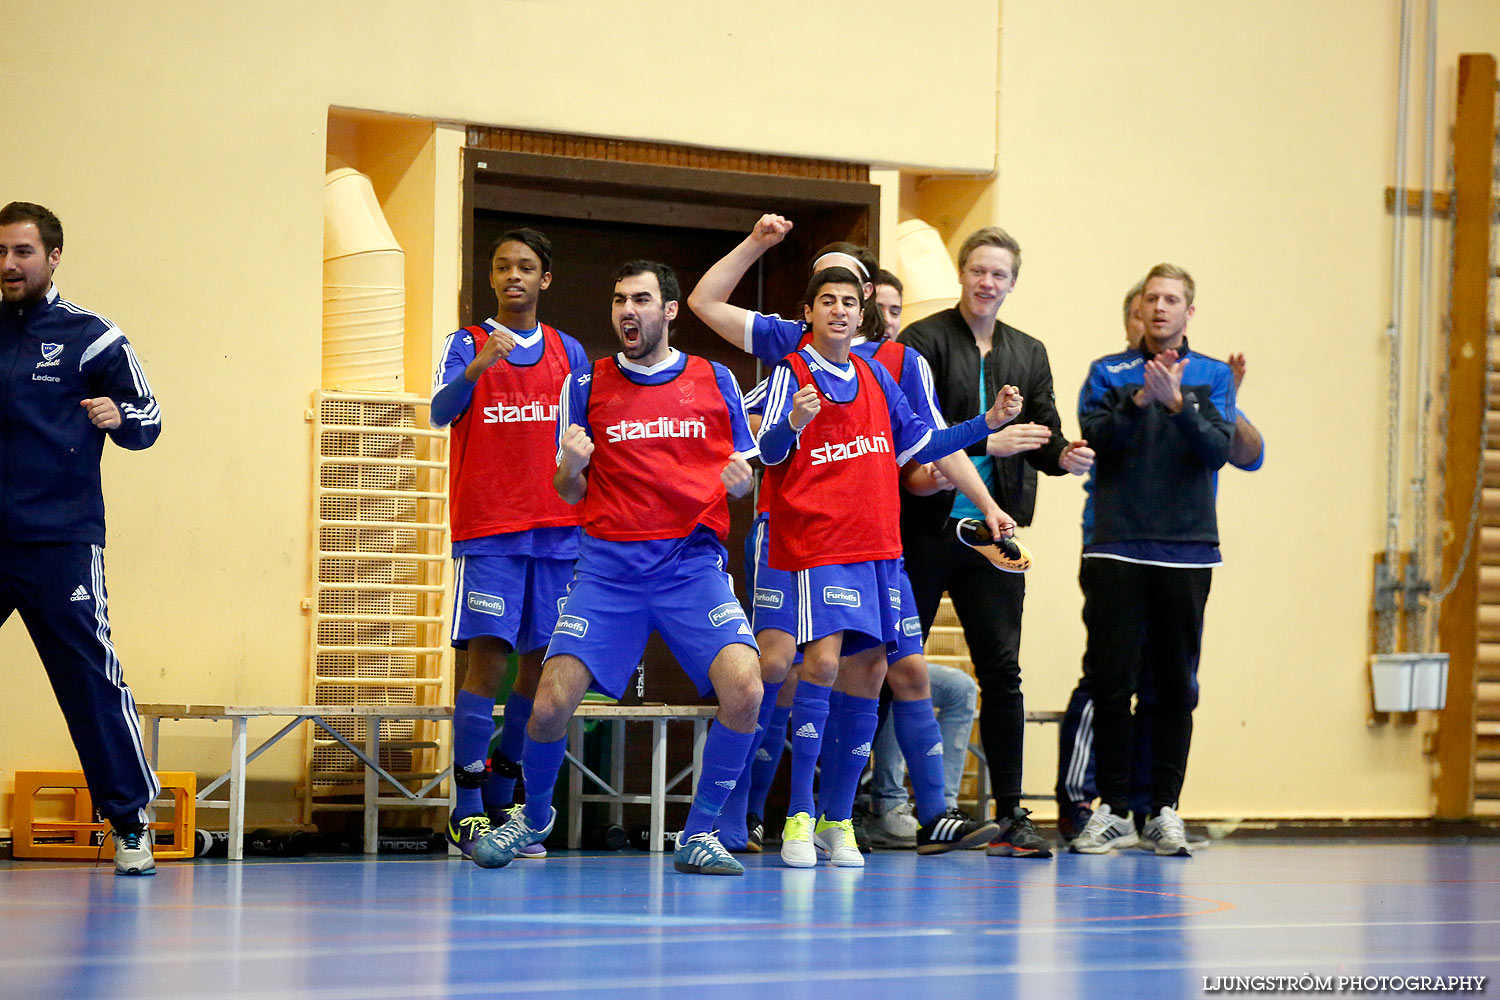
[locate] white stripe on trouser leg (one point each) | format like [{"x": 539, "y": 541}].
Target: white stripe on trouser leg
[
  {"x": 458, "y": 595},
  {"x": 1078, "y": 763},
  {"x": 804, "y": 607},
  {"x": 1077, "y": 757},
  {"x": 804, "y": 603},
  {"x": 116, "y": 673},
  {"x": 760, "y": 541}
]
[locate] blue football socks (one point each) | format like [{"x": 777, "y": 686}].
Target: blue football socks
[
  {"x": 861, "y": 717},
  {"x": 808, "y": 720},
  {"x": 767, "y": 759},
  {"x": 922, "y": 745},
  {"x": 500, "y": 790},
  {"x": 473, "y": 724},
  {"x": 540, "y": 763},
  {"x": 724, "y": 753}
]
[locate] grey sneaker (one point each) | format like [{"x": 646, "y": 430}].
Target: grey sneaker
[
  {"x": 133, "y": 852},
  {"x": 1165, "y": 834},
  {"x": 895, "y": 828},
  {"x": 1105, "y": 832},
  {"x": 702, "y": 854},
  {"x": 500, "y": 847},
  {"x": 1016, "y": 837}
]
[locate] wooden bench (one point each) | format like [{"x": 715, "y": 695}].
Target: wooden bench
[
  {"x": 612, "y": 791},
  {"x": 240, "y": 715},
  {"x": 240, "y": 757}
]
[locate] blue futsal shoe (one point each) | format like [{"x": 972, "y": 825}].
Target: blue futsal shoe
[
  {"x": 500, "y": 847},
  {"x": 466, "y": 832},
  {"x": 702, "y": 854}
]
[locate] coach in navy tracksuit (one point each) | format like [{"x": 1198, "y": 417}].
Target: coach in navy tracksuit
[
  {"x": 1160, "y": 420},
  {"x": 68, "y": 378}
]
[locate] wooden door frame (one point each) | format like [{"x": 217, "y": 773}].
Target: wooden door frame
[{"x": 648, "y": 194}]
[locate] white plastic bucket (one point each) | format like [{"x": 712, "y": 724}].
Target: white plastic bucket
[
  {"x": 364, "y": 289},
  {"x": 1409, "y": 682},
  {"x": 927, "y": 272}
]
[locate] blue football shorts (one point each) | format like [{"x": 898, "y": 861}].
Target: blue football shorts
[
  {"x": 516, "y": 598},
  {"x": 606, "y": 622}
]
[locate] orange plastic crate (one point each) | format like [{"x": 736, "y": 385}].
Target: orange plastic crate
[{"x": 80, "y": 838}]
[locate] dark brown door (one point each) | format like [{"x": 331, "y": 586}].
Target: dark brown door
[{"x": 599, "y": 214}]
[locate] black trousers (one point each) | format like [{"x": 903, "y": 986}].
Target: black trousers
[
  {"x": 1135, "y": 613},
  {"x": 988, "y": 603},
  {"x": 59, "y": 591}
]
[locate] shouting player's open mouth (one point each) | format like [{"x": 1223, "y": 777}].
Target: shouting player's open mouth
[{"x": 631, "y": 332}]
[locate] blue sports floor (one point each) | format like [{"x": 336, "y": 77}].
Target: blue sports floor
[{"x": 626, "y": 925}]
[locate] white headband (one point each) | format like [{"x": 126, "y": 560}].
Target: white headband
[{"x": 850, "y": 258}]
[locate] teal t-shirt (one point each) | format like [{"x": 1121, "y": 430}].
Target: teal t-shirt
[{"x": 984, "y": 465}]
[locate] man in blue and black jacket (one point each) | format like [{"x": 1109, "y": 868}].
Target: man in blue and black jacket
[
  {"x": 1160, "y": 419},
  {"x": 68, "y": 378}
]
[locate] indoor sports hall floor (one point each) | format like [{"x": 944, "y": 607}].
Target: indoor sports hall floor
[{"x": 626, "y": 925}]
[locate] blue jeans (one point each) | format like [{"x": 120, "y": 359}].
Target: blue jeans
[{"x": 955, "y": 696}]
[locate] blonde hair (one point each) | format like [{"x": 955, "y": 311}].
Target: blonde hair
[
  {"x": 991, "y": 236},
  {"x": 1171, "y": 271}
]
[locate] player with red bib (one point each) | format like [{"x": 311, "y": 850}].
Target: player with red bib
[
  {"x": 837, "y": 429},
  {"x": 650, "y": 445},
  {"x": 514, "y": 540},
  {"x": 771, "y": 338}
]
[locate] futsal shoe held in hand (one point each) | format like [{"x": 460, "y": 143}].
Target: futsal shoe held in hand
[{"x": 1006, "y": 553}]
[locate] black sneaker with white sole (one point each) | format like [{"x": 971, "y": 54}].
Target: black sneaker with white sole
[
  {"x": 953, "y": 830},
  {"x": 756, "y": 831}
]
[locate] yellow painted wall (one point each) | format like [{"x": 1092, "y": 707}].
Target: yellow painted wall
[
  {"x": 1252, "y": 146},
  {"x": 184, "y": 149}
]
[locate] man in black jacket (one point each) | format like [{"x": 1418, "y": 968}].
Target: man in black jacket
[{"x": 972, "y": 355}]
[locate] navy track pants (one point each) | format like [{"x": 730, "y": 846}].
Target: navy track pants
[{"x": 59, "y": 591}]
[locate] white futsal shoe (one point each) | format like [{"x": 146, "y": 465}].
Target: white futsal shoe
[
  {"x": 1105, "y": 832},
  {"x": 797, "y": 849},
  {"x": 843, "y": 849},
  {"x": 1166, "y": 835},
  {"x": 133, "y": 852}
]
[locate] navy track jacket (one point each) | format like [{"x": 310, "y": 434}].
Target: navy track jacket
[
  {"x": 53, "y": 355},
  {"x": 1155, "y": 472}
]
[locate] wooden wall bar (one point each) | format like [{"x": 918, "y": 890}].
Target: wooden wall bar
[{"x": 1473, "y": 164}]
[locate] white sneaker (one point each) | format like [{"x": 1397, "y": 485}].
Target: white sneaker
[
  {"x": 843, "y": 850},
  {"x": 1104, "y": 832},
  {"x": 1166, "y": 835},
  {"x": 133, "y": 853},
  {"x": 895, "y": 828},
  {"x": 797, "y": 849}
]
